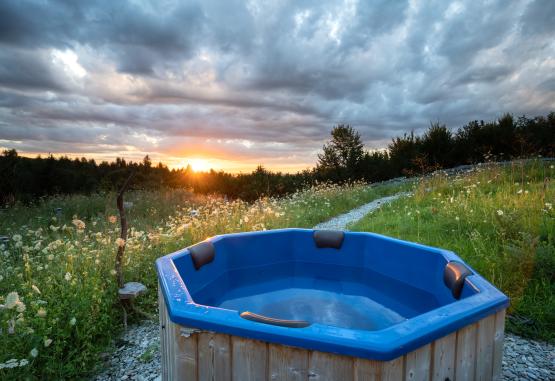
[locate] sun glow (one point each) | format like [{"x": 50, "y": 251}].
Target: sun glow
[{"x": 199, "y": 165}]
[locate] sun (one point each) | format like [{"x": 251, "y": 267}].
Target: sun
[{"x": 199, "y": 165}]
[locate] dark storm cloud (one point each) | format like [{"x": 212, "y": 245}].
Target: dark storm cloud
[
  {"x": 27, "y": 70},
  {"x": 262, "y": 80}
]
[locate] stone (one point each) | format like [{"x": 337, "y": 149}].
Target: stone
[{"x": 131, "y": 290}]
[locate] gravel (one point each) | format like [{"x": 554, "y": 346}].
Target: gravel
[
  {"x": 137, "y": 356},
  {"x": 340, "y": 222}
]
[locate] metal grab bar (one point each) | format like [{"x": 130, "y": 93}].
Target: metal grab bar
[{"x": 272, "y": 321}]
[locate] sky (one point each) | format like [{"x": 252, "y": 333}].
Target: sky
[{"x": 234, "y": 84}]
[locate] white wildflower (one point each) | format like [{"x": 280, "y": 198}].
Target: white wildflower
[
  {"x": 80, "y": 225},
  {"x": 500, "y": 212},
  {"x": 34, "y": 352},
  {"x": 12, "y": 300},
  {"x": 47, "y": 342},
  {"x": 72, "y": 321},
  {"x": 120, "y": 242},
  {"x": 67, "y": 277},
  {"x": 36, "y": 289},
  {"x": 20, "y": 307}
]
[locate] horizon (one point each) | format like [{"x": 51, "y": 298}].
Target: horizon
[{"x": 236, "y": 85}]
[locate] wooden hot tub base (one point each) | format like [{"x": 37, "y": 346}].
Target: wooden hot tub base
[{"x": 473, "y": 352}]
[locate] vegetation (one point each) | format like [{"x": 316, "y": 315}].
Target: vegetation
[
  {"x": 343, "y": 159},
  {"x": 58, "y": 289},
  {"x": 501, "y": 221}
]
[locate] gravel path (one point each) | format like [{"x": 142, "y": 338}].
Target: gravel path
[
  {"x": 340, "y": 222},
  {"x": 137, "y": 357}
]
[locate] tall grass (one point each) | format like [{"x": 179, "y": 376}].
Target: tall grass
[
  {"x": 57, "y": 280},
  {"x": 501, "y": 221}
]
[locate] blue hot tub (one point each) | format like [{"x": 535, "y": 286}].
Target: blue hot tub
[{"x": 355, "y": 294}]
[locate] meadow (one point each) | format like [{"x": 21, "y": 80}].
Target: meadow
[
  {"x": 58, "y": 292},
  {"x": 500, "y": 220}
]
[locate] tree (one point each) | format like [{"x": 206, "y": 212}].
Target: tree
[
  {"x": 343, "y": 154},
  {"x": 437, "y": 144}
]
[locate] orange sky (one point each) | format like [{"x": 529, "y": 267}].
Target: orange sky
[{"x": 199, "y": 163}]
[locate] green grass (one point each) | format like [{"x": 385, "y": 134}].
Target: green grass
[
  {"x": 501, "y": 221},
  {"x": 66, "y": 311}
]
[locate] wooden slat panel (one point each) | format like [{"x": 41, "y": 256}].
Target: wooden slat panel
[
  {"x": 498, "y": 344},
  {"x": 326, "y": 366},
  {"x": 249, "y": 360},
  {"x": 214, "y": 356},
  {"x": 443, "y": 360},
  {"x": 484, "y": 348},
  {"x": 287, "y": 363},
  {"x": 368, "y": 370},
  {"x": 418, "y": 364},
  {"x": 185, "y": 354},
  {"x": 466, "y": 349}
]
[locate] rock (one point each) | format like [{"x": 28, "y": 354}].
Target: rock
[{"x": 131, "y": 290}]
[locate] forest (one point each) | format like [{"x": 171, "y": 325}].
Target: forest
[{"x": 343, "y": 158}]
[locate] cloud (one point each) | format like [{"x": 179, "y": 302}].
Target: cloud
[{"x": 182, "y": 79}]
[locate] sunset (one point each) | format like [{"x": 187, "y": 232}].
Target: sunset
[
  {"x": 241, "y": 84},
  {"x": 267, "y": 190}
]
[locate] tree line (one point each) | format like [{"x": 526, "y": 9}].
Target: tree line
[{"x": 343, "y": 158}]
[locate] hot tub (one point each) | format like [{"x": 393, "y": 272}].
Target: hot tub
[{"x": 298, "y": 304}]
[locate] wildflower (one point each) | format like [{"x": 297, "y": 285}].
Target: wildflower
[
  {"x": 500, "y": 212},
  {"x": 20, "y": 307},
  {"x": 113, "y": 272},
  {"x": 80, "y": 225},
  {"x": 120, "y": 242},
  {"x": 23, "y": 362},
  {"x": 50, "y": 257},
  {"x": 41, "y": 312},
  {"x": 12, "y": 300},
  {"x": 34, "y": 352},
  {"x": 67, "y": 277},
  {"x": 47, "y": 342},
  {"x": 11, "y": 363},
  {"x": 36, "y": 289},
  {"x": 112, "y": 219},
  {"x": 16, "y": 238},
  {"x": 54, "y": 228},
  {"x": 519, "y": 191},
  {"x": 549, "y": 205},
  {"x": 457, "y": 218},
  {"x": 72, "y": 321}
]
